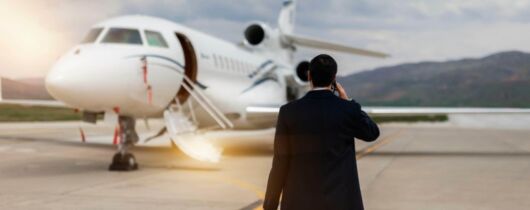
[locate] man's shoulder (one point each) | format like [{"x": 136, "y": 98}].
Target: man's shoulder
[
  {"x": 294, "y": 105},
  {"x": 302, "y": 101},
  {"x": 289, "y": 105},
  {"x": 350, "y": 106},
  {"x": 351, "y": 103}
]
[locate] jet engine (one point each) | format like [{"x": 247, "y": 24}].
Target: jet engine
[
  {"x": 302, "y": 70},
  {"x": 257, "y": 34}
]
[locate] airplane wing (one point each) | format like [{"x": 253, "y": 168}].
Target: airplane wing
[
  {"x": 326, "y": 45},
  {"x": 402, "y": 111}
]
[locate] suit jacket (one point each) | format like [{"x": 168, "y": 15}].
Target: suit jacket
[{"x": 314, "y": 164}]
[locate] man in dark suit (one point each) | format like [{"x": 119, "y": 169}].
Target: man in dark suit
[{"x": 314, "y": 164}]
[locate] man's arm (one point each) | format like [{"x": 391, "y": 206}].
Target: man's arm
[
  {"x": 280, "y": 164},
  {"x": 366, "y": 128}
]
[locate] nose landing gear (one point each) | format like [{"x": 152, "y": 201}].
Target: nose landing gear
[{"x": 123, "y": 160}]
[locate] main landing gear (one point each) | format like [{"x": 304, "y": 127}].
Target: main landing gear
[{"x": 123, "y": 160}]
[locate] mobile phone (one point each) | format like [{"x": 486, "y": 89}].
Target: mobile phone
[{"x": 334, "y": 86}]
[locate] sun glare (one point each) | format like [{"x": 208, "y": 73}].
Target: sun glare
[{"x": 28, "y": 35}]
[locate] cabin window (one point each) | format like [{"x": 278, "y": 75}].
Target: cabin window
[
  {"x": 220, "y": 61},
  {"x": 92, "y": 35},
  {"x": 155, "y": 39},
  {"x": 215, "y": 60},
  {"x": 239, "y": 68},
  {"x": 223, "y": 62},
  {"x": 123, "y": 35},
  {"x": 232, "y": 64},
  {"x": 245, "y": 67},
  {"x": 248, "y": 66}
]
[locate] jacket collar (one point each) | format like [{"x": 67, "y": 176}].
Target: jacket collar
[{"x": 319, "y": 94}]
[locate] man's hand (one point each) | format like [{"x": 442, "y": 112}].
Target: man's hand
[{"x": 342, "y": 92}]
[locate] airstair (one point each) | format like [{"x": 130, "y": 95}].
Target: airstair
[{"x": 182, "y": 126}]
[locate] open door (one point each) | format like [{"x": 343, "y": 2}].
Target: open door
[{"x": 190, "y": 65}]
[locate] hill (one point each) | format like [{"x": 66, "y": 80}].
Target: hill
[
  {"x": 24, "y": 89},
  {"x": 498, "y": 80}
]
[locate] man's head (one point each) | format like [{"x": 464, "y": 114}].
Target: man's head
[{"x": 322, "y": 70}]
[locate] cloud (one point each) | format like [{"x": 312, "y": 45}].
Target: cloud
[{"x": 413, "y": 30}]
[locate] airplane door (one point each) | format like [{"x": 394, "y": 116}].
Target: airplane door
[{"x": 190, "y": 64}]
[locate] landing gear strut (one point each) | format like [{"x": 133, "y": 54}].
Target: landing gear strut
[{"x": 123, "y": 160}]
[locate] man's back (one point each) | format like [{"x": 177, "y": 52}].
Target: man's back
[{"x": 314, "y": 163}]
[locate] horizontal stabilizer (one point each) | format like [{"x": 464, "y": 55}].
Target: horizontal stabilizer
[{"x": 325, "y": 45}]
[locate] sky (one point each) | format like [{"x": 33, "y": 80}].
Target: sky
[{"x": 34, "y": 33}]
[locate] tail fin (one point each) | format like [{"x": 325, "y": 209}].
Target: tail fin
[
  {"x": 286, "y": 25},
  {"x": 286, "y": 18}
]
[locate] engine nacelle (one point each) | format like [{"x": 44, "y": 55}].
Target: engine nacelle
[
  {"x": 257, "y": 34},
  {"x": 302, "y": 70}
]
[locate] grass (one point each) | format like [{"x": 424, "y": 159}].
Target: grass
[
  {"x": 420, "y": 118},
  {"x": 16, "y": 113}
]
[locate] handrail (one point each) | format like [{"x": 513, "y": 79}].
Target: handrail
[
  {"x": 208, "y": 109},
  {"x": 192, "y": 88},
  {"x": 207, "y": 100}
]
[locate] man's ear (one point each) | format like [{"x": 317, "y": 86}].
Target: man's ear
[{"x": 309, "y": 79}]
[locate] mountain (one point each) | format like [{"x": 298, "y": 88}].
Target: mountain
[
  {"x": 32, "y": 88},
  {"x": 498, "y": 80}
]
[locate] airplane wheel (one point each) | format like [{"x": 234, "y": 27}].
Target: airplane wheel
[{"x": 126, "y": 162}]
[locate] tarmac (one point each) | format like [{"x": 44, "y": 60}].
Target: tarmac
[{"x": 411, "y": 166}]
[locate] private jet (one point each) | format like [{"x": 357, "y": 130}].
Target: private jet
[{"x": 140, "y": 67}]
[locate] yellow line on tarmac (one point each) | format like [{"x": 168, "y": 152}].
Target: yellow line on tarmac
[
  {"x": 369, "y": 149},
  {"x": 247, "y": 186}
]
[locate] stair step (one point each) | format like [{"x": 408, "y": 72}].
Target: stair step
[{"x": 178, "y": 123}]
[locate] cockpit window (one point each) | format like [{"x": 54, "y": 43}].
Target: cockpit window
[
  {"x": 123, "y": 35},
  {"x": 155, "y": 39},
  {"x": 92, "y": 35}
]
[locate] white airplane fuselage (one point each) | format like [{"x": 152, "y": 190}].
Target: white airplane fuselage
[{"x": 102, "y": 77}]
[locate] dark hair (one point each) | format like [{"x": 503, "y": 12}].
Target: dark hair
[{"x": 322, "y": 69}]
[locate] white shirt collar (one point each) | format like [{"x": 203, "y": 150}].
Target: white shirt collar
[{"x": 320, "y": 88}]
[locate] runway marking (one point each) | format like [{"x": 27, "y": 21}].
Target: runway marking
[
  {"x": 369, "y": 149},
  {"x": 253, "y": 206},
  {"x": 246, "y": 186},
  {"x": 256, "y": 205}
]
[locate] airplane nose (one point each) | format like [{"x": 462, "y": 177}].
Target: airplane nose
[
  {"x": 87, "y": 83},
  {"x": 60, "y": 81},
  {"x": 56, "y": 84}
]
